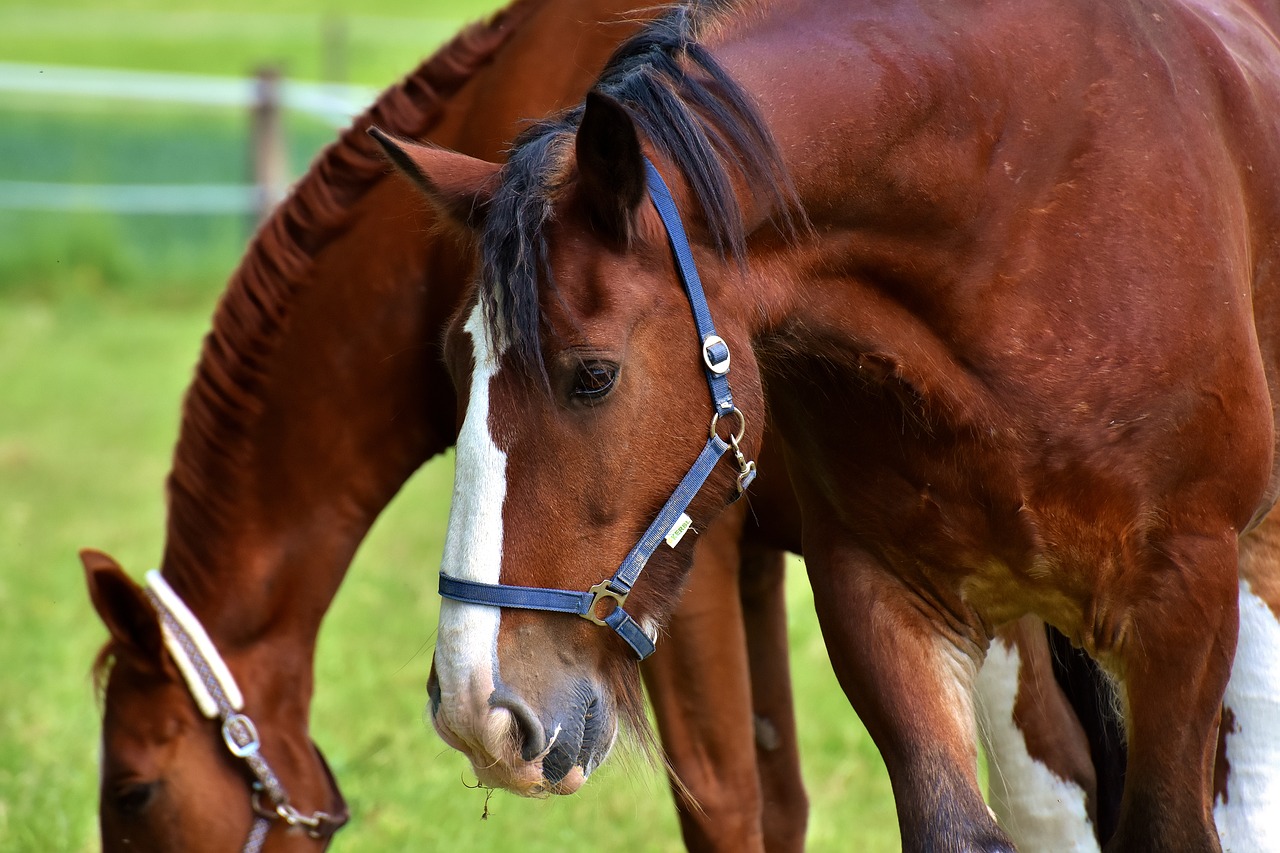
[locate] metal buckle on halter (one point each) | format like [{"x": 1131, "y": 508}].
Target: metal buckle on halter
[
  {"x": 746, "y": 467},
  {"x": 599, "y": 591},
  {"x": 241, "y": 735},
  {"x": 716, "y": 364},
  {"x": 314, "y": 824},
  {"x": 746, "y": 471}
]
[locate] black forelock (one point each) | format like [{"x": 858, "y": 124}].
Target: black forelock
[{"x": 693, "y": 114}]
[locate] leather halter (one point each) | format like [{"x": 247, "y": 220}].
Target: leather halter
[
  {"x": 217, "y": 695},
  {"x": 671, "y": 521}
]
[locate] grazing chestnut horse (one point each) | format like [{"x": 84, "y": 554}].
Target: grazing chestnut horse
[
  {"x": 1002, "y": 274},
  {"x": 318, "y": 392}
]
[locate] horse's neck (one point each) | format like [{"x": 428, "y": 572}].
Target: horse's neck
[
  {"x": 355, "y": 397},
  {"x": 353, "y": 400}
]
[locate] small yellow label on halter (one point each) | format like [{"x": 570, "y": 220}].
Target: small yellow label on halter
[{"x": 682, "y": 525}]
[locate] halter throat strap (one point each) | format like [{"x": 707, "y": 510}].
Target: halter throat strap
[
  {"x": 603, "y": 603},
  {"x": 217, "y": 695}
]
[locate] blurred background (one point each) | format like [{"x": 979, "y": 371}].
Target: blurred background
[{"x": 138, "y": 144}]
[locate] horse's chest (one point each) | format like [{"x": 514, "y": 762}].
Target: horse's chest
[
  {"x": 873, "y": 464},
  {"x": 955, "y": 510}
]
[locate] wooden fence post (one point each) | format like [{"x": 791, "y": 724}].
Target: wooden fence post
[{"x": 267, "y": 153}]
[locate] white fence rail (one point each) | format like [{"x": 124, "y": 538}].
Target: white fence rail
[{"x": 332, "y": 103}]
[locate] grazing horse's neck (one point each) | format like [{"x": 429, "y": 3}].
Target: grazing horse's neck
[
  {"x": 350, "y": 396},
  {"x": 319, "y": 391}
]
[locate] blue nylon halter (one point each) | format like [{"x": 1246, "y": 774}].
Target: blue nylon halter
[{"x": 715, "y": 360}]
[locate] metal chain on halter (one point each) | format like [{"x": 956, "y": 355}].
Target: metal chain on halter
[{"x": 212, "y": 679}]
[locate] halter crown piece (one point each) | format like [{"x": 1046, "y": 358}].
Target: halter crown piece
[
  {"x": 671, "y": 522},
  {"x": 218, "y": 696}
]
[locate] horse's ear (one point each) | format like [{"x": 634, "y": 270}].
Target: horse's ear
[
  {"x": 459, "y": 185},
  {"x": 123, "y": 608},
  {"x": 610, "y": 164}
]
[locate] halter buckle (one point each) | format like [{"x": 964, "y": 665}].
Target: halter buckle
[
  {"x": 240, "y": 735},
  {"x": 599, "y": 591},
  {"x": 318, "y": 825},
  {"x": 718, "y": 361},
  {"x": 746, "y": 467}
]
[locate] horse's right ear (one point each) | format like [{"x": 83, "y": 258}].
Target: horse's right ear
[
  {"x": 459, "y": 185},
  {"x": 124, "y": 608}
]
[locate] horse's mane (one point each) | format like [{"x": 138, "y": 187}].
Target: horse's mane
[
  {"x": 693, "y": 113},
  {"x": 225, "y": 398}
]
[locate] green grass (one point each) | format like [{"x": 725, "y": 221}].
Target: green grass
[{"x": 308, "y": 40}]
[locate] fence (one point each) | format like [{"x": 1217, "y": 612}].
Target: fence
[{"x": 265, "y": 96}]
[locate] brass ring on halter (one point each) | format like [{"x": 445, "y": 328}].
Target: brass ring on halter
[
  {"x": 742, "y": 425},
  {"x": 603, "y": 590}
]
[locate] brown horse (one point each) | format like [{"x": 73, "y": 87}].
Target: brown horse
[
  {"x": 1001, "y": 273},
  {"x": 318, "y": 392}
]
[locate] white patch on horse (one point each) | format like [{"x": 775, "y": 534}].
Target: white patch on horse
[
  {"x": 1249, "y": 817},
  {"x": 467, "y": 645},
  {"x": 1039, "y": 809}
]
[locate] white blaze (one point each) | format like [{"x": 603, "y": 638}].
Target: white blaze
[
  {"x": 466, "y": 648},
  {"x": 1040, "y": 810},
  {"x": 1249, "y": 819}
]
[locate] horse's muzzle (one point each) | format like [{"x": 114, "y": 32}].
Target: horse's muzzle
[{"x": 513, "y": 746}]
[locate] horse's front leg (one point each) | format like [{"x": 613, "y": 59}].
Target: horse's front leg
[
  {"x": 764, "y": 611},
  {"x": 700, "y": 688},
  {"x": 909, "y": 672},
  {"x": 1169, "y": 633}
]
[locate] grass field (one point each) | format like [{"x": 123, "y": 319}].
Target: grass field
[
  {"x": 100, "y": 322},
  {"x": 371, "y": 42}
]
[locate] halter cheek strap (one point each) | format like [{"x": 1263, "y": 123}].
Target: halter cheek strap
[
  {"x": 218, "y": 697},
  {"x": 608, "y": 596}
]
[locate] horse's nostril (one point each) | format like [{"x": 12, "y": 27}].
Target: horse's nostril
[
  {"x": 433, "y": 692},
  {"x": 530, "y": 734}
]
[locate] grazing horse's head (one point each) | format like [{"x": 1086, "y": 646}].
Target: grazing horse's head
[
  {"x": 148, "y": 750},
  {"x": 584, "y": 388},
  {"x": 168, "y": 781}
]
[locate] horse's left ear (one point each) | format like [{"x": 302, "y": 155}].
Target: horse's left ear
[
  {"x": 459, "y": 185},
  {"x": 124, "y": 609},
  {"x": 610, "y": 164}
]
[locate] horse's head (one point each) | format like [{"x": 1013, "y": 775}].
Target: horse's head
[
  {"x": 156, "y": 748},
  {"x": 168, "y": 779},
  {"x": 583, "y": 384}
]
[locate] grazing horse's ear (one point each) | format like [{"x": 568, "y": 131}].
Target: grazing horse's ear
[
  {"x": 610, "y": 164},
  {"x": 124, "y": 608},
  {"x": 459, "y": 185}
]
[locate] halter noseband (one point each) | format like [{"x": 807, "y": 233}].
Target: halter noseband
[
  {"x": 217, "y": 695},
  {"x": 671, "y": 521}
]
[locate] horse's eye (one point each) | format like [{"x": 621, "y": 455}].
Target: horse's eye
[
  {"x": 133, "y": 797},
  {"x": 594, "y": 380}
]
